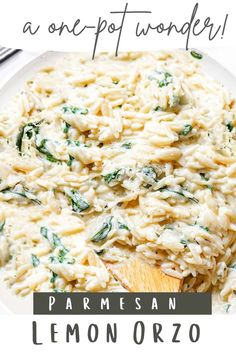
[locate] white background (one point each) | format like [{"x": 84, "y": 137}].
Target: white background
[
  {"x": 43, "y": 12},
  {"x": 217, "y": 334}
]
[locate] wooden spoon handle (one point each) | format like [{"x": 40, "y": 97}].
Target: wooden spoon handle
[{"x": 137, "y": 276}]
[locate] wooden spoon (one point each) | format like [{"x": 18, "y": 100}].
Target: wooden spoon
[{"x": 137, "y": 276}]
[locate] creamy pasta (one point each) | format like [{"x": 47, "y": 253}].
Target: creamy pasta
[{"x": 103, "y": 159}]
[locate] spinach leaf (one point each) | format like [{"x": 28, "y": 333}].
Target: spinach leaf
[
  {"x": 52, "y": 238},
  {"x": 230, "y": 126},
  {"x": 205, "y": 228},
  {"x": 28, "y": 130},
  {"x": 62, "y": 257},
  {"x": 42, "y": 148},
  {"x": 203, "y": 176},
  {"x": 2, "y": 224},
  {"x": 66, "y": 128},
  {"x": 74, "y": 142},
  {"x": 56, "y": 240},
  {"x": 35, "y": 261},
  {"x": 112, "y": 176},
  {"x": 184, "y": 242},
  {"x": 166, "y": 80},
  {"x": 168, "y": 227},
  {"x": 22, "y": 192},
  {"x": 53, "y": 278},
  {"x": 101, "y": 252},
  {"x": 196, "y": 55},
  {"x": 70, "y": 161},
  {"x": 186, "y": 130},
  {"x": 103, "y": 233},
  {"x": 79, "y": 203},
  {"x": 163, "y": 78},
  {"x": 150, "y": 172},
  {"x": 53, "y": 259},
  {"x": 209, "y": 187},
  {"x": 62, "y": 254},
  {"x": 74, "y": 110},
  {"x": 126, "y": 146},
  {"x": 19, "y": 139},
  {"x": 123, "y": 226},
  {"x": 157, "y": 109},
  {"x": 181, "y": 193}
]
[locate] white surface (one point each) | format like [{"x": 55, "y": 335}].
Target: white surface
[
  {"x": 15, "y": 63},
  {"x": 224, "y": 56}
]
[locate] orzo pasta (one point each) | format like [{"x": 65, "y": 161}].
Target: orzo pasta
[{"x": 107, "y": 158}]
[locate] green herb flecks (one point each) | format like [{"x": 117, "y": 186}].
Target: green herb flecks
[
  {"x": 70, "y": 161},
  {"x": 205, "y": 228},
  {"x": 53, "y": 278},
  {"x": 62, "y": 254},
  {"x": 101, "y": 252},
  {"x": 186, "y": 130},
  {"x": 75, "y": 110},
  {"x": 126, "y": 146},
  {"x": 168, "y": 227},
  {"x": 79, "y": 203},
  {"x": 76, "y": 143},
  {"x": 184, "y": 242},
  {"x": 112, "y": 176},
  {"x": 209, "y": 187},
  {"x": 168, "y": 79},
  {"x": 157, "y": 109},
  {"x": 35, "y": 261},
  {"x": 203, "y": 177},
  {"x": 53, "y": 259},
  {"x": 103, "y": 233},
  {"x": 62, "y": 257},
  {"x": 19, "y": 139},
  {"x": 196, "y": 55},
  {"x": 41, "y": 147},
  {"x": 2, "y": 224},
  {"x": 163, "y": 78},
  {"x": 123, "y": 226},
  {"x": 22, "y": 192},
  {"x": 230, "y": 126},
  {"x": 66, "y": 127},
  {"x": 206, "y": 179},
  {"x": 150, "y": 172}
]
